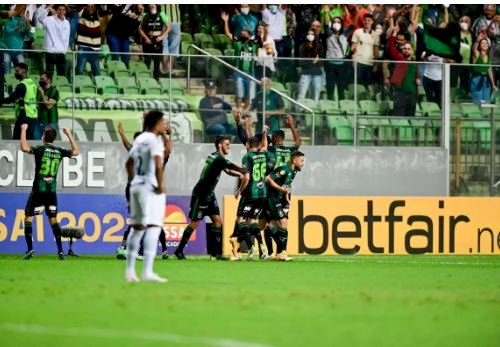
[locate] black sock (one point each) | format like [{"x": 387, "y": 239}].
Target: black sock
[
  {"x": 283, "y": 237},
  {"x": 141, "y": 245},
  {"x": 56, "y": 230},
  {"x": 28, "y": 234},
  {"x": 163, "y": 240},
  {"x": 255, "y": 231},
  {"x": 125, "y": 236},
  {"x": 185, "y": 238},
  {"x": 244, "y": 234},
  {"x": 217, "y": 247},
  {"x": 275, "y": 234},
  {"x": 269, "y": 239}
]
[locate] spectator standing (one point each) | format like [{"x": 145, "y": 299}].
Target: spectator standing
[
  {"x": 275, "y": 18},
  {"x": 14, "y": 32},
  {"x": 123, "y": 24},
  {"x": 482, "y": 81},
  {"x": 311, "y": 72},
  {"x": 266, "y": 53},
  {"x": 213, "y": 112},
  {"x": 172, "y": 41},
  {"x": 274, "y": 107},
  {"x": 463, "y": 71},
  {"x": 154, "y": 28},
  {"x": 244, "y": 20},
  {"x": 56, "y": 40},
  {"x": 47, "y": 99},
  {"x": 364, "y": 46},
  {"x": 88, "y": 40},
  {"x": 487, "y": 25},
  {"x": 337, "y": 49},
  {"x": 24, "y": 99}
]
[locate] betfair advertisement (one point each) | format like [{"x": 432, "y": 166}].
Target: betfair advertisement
[
  {"x": 104, "y": 218},
  {"x": 387, "y": 225}
]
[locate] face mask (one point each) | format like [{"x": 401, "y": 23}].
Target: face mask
[
  {"x": 378, "y": 31},
  {"x": 464, "y": 26},
  {"x": 310, "y": 38},
  {"x": 152, "y": 12},
  {"x": 245, "y": 10},
  {"x": 273, "y": 8},
  {"x": 18, "y": 76},
  {"x": 336, "y": 26},
  {"x": 42, "y": 83}
]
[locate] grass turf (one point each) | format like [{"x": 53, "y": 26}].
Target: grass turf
[{"x": 312, "y": 301}]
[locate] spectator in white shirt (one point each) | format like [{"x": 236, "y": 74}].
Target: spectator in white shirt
[
  {"x": 56, "y": 41},
  {"x": 364, "y": 49},
  {"x": 275, "y": 18}
]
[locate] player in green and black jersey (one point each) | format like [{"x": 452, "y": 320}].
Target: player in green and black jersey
[
  {"x": 43, "y": 194},
  {"x": 253, "y": 191},
  {"x": 203, "y": 201},
  {"x": 280, "y": 183}
]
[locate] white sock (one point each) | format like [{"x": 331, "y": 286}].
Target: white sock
[
  {"x": 150, "y": 247},
  {"x": 133, "y": 241}
]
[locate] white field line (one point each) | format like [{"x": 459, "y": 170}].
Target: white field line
[
  {"x": 126, "y": 334},
  {"x": 393, "y": 261}
]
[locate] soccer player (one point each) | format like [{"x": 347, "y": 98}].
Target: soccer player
[
  {"x": 280, "y": 183},
  {"x": 43, "y": 194},
  {"x": 203, "y": 201},
  {"x": 279, "y": 154},
  {"x": 253, "y": 191},
  {"x": 169, "y": 145},
  {"x": 147, "y": 196}
]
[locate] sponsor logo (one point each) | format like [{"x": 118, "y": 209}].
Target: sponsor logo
[{"x": 175, "y": 222}]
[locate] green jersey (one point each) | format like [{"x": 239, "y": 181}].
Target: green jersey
[
  {"x": 45, "y": 115},
  {"x": 280, "y": 155},
  {"x": 255, "y": 164},
  {"x": 210, "y": 175},
  {"x": 283, "y": 176},
  {"x": 247, "y": 52},
  {"x": 47, "y": 161}
]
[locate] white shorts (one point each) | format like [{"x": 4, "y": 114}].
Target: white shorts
[{"x": 146, "y": 207}]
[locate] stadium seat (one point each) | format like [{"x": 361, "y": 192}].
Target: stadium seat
[
  {"x": 369, "y": 107},
  {"x": 430, "y": 109},
  {"x": 363, "y": 93},
  {"x": 138, "y": 69},
  {"x": 62, "y": 84},
  {"x": 117, "y": 68},
  {"x": 149, "y": 86},
  {"x": 128, "y": 85},
  {"x": 203, "y": 40},
  {"x": 341, "y": 129},
  {"x": 229, "y": 52},
  {"x": 329, "y": 107},
  {"x": 280, "y": 87},
  {"x": 83, "y": 84},
  {"x": 186, "y": 37},
  {"x": 222, "y": 42},
  {"x": 175, "y": 87},
  {"x": 293, "y": 88},
  {"x": 106, "y": 85},
  {"x": 347, "y": 107},
  {"x": 471, "y": 110}
]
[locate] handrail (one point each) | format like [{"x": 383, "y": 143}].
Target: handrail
[{"x": 286, "y": 97}]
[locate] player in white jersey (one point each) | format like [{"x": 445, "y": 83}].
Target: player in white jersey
[{"x": 147, "y": 196}]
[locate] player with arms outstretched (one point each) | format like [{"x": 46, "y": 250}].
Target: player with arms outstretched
[{"x": 43, "y": 194}]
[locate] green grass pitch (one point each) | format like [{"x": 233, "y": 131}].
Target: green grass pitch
[{"x": 312, "y": 301}]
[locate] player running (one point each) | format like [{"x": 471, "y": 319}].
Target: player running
[
  {"x": 203, "y": 200},
  {"x": 43, "y": 193},
  {"x": 280, "y": 183}
]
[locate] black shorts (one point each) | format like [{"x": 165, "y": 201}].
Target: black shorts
[
  {"x": 37, "y": 200},
  {"x": 250, "y": 208},
  {"x": 278, "y": 208},
  {"x": 203, "y": 205}
]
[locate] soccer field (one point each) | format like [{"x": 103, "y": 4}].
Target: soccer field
[{"x": 312, "y": 301}]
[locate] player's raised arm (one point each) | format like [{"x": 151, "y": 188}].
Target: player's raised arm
[
  {"x": 75, "y": 151},
  {"x": 295, "y": 133},
  {"x": 25, "y": 147},
  {"x": 167, "y": 139},
  {"x": 264, "y": 144},
  {"x": 125, "y": 141}
]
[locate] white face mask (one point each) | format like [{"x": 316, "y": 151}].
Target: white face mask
[
  {"x": 310, "y": 37},
  {"x": 153, "y": 12},
  {"x": 245, "y": 10},
  {"x": 273, "y": 8},
  {"x": 379, "y": 31},
  {"x": 464, "y": 26},
  {"x": 336, "y": 26}
]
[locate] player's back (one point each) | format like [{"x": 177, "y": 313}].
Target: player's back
[
  {"x": 255, "y": 163},
  {"x": 146, "y": 146},
  {"x": 47, "y": 161},
  {"x": 280, "y": 155}
]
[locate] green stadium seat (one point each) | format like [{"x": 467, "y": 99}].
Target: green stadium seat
[
  {"x": 329, "y": 107},
  {"x": 117, "y": 68},
  {"x": 229, "y": 52},
  {"x": 430, "y": 109},
  {"x": 83, "y": 84},
  {"x": 106, "y": 85},
  {"x": 62, "y": 84},
  {"x": 128, "y": 85},
  {"x": 363, "y": 93},
  {"x": 137, "y": 66},
  {"x": 203, "y": 40},
  {"x": 293, "y": 89},
  {"x": 149, "y": 86},
  {"x": 186, "y": 37},
  {"x": 222, "y": 42},
  {"x": 347, "y": 107},
  {"x": 341, "y": 129},
  {"x": 165, "y": 86},
  {"x": 369, "y": 107},
  {"x": 471, "y": 110}
]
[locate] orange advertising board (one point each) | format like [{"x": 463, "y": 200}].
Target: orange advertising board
[{"x": 387, "y": 225}]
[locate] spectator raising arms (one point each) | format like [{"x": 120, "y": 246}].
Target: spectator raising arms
[
  {"x": 88, "y": 40},
  {"x": 482, "y": 74},
  {"x": 14, "y": 32}
]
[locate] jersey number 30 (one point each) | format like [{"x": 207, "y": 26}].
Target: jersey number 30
[{"x": 49, "y": 166}]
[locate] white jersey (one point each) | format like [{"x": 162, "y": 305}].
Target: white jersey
[{"x": 146, "y": 146}]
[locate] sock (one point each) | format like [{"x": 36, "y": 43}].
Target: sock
[
  {"x": 269, "y": 239},
  {"x": 150, "y": 247},
  {"x": 283, "y": 237},
  {"x": 133, "y": 240},
  {"x": 28, "y": 234},
  {"x": 125, "y": 236},
  {"x": 184, "y": 240},
  {"x": 217, "y": 240},
  {"x": 255, "y": 231},
  {"x": 56, "y": 230},
  {"x": 275, "y": 234},
  {"x": 141, "y": 245},
  {"x": 163, "y": 241},
  {"x": 244, "y": 234}
]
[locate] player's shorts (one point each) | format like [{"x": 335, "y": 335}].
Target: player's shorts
[
  {"x": 37, "y": 201},
  {"x": 146, "y": 206},
  {"x": 250, "y": 208},
  {"x": 203, "y": 205},
  {"x": 277, "y": 208}
]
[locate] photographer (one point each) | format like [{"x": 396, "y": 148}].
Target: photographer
[{"x": 154, "y": 28}]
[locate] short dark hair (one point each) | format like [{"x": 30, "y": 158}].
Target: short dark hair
[
  {"x": 151, "y": 118},
  {"x": 253, "y": 142},
  {"x": 49, "y": 134},
  {"x": 23, "y": 66},
  {"x": 48, "y": 74},
  {"x": 279, "y": 133},
  {"x": 59, "y": 5},
  {"x": 219, "y": 139},
  {"x": 368, "y": 15},
  {"x": 137, "y": 133},
  {"x": 296, "y": 154}
]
